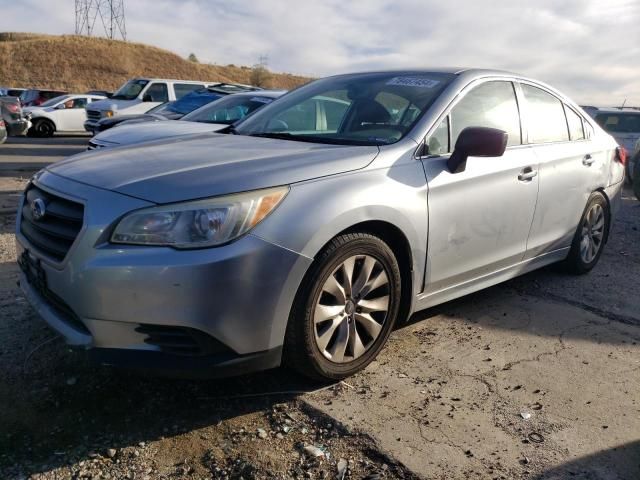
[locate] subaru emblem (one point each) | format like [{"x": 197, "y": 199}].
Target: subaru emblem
[{"x": 38, "y": 209}]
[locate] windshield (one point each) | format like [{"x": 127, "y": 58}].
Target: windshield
[
  {"x": 130, "y": 90},
  {"x": 359, "y": 109},
  {"x": 193, "y": 101},
  {"x": 54, "y": 101},
  {"x": 229, "y": 109},
  {"x": 619, "y": 122}
]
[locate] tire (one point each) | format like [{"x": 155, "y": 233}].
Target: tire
[
  {"x": 590, "y": 237},
  {"x": 352, "y": 319},
  {"x": 43, "y": 128}
]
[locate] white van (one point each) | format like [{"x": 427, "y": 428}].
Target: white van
[{"x": 139, "y": 96}]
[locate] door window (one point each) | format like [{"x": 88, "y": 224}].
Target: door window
[
  {"x": 181, "y": 89},
  {"x": 576, "y": 129},
  {"x": 158, "y": 92},
  {"x": 79, "y": 103},
  {"x": 546, "y": 120},
  {"x": 491, "y": 104}
]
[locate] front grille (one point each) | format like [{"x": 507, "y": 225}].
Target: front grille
[
  {"x": 54, "y": 233},
  {"x": 181, "y": 340},
  {"x": 93, "y": 115}
]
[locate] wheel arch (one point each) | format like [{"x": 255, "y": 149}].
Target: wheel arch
[{"x": 401, "y": 248}]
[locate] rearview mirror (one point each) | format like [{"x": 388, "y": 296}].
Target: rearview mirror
[{"x": 477, "y": 142}]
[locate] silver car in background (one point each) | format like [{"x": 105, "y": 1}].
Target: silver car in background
[
  {"x": 211, "y": 117},
  {"x": 303, "y": 234}
]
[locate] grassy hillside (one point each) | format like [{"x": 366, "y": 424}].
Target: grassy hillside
[{"x": 77, "y": 64}]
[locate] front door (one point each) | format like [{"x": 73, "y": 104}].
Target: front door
[{"x": 479, "y": 219}]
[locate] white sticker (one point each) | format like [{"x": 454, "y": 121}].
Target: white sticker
[
  {"x": 262, "y": 99},
  {"x": 413, "y": 82}
]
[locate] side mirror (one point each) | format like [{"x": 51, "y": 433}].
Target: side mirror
[
  {"x": 477, "y": 142},
  {"x": 147, "y": 98}
]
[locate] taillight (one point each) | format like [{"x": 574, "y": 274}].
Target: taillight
[
  {"x": 621, "y": 155},
  {"x": 1, "y": 123}
]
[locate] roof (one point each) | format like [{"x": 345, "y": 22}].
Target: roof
[
  {"x": 615, "y": 110},
  {"x": 262, "y": 93}
]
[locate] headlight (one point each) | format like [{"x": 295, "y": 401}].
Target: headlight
[
  {"x": 109, "y": 114},
  {"x": 203, "y": 223}
]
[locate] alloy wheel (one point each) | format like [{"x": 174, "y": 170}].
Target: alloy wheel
[
  {"x": 352, "y": 308},
  {"x": 592, "y": 233}
]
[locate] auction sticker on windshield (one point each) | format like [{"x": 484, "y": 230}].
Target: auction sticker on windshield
[{"x": 413, "y": 82}]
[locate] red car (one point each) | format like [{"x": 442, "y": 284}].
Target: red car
[{"x": 35, "y": 97}]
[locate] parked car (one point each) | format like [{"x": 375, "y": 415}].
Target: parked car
[
  {"x": 176, "y": 109},
  {"x": 16, "y": 123},
  {"x": 138, "y": 96},
  {"x": 65, "y": 113},
  {"x": 215, "y": 116},
  {"x": 310, "y": 229},
  {"x": 624, "y": 126},
  {"x": 35, "y": 97},
  {"x": 11, "y": 92}
]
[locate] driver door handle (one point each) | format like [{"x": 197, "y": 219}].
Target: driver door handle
[
  {"x": 527, "y": 174},
  {"x": 588, "y": 160}
]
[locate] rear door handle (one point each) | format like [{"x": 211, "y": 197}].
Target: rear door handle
[
  {"x": 527, "y": 174},
  {"x": 588, "y": 160}
]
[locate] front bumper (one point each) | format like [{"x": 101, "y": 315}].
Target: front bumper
[
  {"x": 92, "y": 127},
  {"x": 239, "y": 295}
]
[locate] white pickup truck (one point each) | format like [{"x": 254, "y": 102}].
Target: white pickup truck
[{"x": 139, "y": 96}]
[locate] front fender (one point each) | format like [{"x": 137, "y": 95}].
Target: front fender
[{"x": 316, "y": 211}]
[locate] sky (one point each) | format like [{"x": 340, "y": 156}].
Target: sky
[{"x": 588, "y": 49}]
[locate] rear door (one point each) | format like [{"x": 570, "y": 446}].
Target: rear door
[
  {"x": 571, "y": 168},
  {"x": 479, "y": 219}
]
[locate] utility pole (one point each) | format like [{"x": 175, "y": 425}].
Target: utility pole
[{"x": 110, "y": 13}]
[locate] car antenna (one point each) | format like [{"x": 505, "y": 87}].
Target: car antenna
[{"x": 623, "y": 104}]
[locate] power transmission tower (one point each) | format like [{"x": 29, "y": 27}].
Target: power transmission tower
[{"x": 110, "y": 13}]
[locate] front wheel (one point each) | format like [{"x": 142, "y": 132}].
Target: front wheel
[
  {"x": 345, "y": 309},
  {"x": 43, "y": 128},
  {"x": 590, "y": 237}
]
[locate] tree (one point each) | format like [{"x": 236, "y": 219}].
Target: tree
[
  {"x": 260, "y": 76},
  {"x": 192, "y": 58}
]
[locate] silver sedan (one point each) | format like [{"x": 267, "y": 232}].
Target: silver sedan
[{"x": 303, "y": 234}]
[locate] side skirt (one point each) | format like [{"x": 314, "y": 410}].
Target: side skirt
[{"x": 499, "y": 276}]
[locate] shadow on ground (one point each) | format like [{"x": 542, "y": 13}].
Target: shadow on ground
[{"x": 599, "y": 465}]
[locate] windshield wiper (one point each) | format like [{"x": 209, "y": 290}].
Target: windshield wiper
[
  {"x": 315, "y": 139},
  {"x": 278, "y": 135}
]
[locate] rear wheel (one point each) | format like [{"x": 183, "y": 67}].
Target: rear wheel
[
  {"x": 345, "y": 309},
  {"x": 43, "y": 128},
  {"x": 590, "y": 237}
]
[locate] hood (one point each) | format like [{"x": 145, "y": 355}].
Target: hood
[
  {"x": 34, "y": 110},
  {"x": 151, "y": 130},
  {"x": 205, "y": 165}
]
